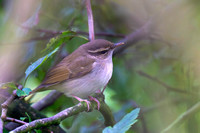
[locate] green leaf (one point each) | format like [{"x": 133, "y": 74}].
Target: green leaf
[
  {"x": 82, "y": 37},
  {"x": 26, "y": 90},
  {"x": 23, "y": 118},
  {"x": 20, "y": 93},
  {"x": 29, "y": 118},
  {"x": 124, "y": 124},
  {"x": 54, "y": 43},
  {"x": 38, "y": 130},
  {"x": 60, "y": 39},
  {"x": 36, "y": 64},
  {"x": 23, "y": 92},
  {"x": 8, "y": 85}
]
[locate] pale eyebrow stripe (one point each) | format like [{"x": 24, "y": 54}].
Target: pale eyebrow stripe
[{"x": 98, "y": 50}]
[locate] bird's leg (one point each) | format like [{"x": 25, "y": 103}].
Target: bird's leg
[
  {"x": 96, "y": 100},
  {"x": 82, "y": 100},
  {"x": 104, "y": 88},
  {"x": 98, "y": 91}
]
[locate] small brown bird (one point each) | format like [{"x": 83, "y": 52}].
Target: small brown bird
[{"x": 83, "y": 72}]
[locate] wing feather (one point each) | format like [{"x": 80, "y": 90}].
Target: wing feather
[{"x": 67, "y": 69}]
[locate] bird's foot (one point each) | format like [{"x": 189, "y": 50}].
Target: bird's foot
[
  {"x": 83, "y": 100},
  {"x": 98, "y": 91},
  {"x": 96, "y": 100}
]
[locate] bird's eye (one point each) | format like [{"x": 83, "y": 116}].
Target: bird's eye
[{"x": 103, "y": 52}]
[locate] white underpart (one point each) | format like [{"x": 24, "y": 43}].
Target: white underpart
[{"x": 90, "y": 83}]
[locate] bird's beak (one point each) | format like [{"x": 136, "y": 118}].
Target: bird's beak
[{"x": 118, "y": 44}]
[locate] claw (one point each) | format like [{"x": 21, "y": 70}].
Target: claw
[
  {"x": 83, "y": 100},
  {"x": 97, "y": 101}
]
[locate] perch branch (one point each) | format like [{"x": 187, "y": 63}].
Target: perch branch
[
  {"x": 56, "y": 119},
  {"x": 18, "y": 108},
  {"x": 90, "y": 20}
]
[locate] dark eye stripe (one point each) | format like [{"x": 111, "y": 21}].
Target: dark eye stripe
[{"x": 99, "y": 50}]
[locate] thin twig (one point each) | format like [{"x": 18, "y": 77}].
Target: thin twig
[
  {"x": 6, "y": 104},
  {"x": 48, "y": 31},
  {"x": 134, "y": 37},
  {"x": 103, "y": 34},
  {"x": 51, "y": 34},
  {"x": 81, "y": 33},
  {"x": 15, "y": 120},
  {"x": 165, "y": 85},
  {"x": 47, "y": 100},
  {"x": 194, "y": 109},
  {"x": 90, "y": 20}
]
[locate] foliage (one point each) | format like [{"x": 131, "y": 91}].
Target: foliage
[
  {"x": 123, "y": 125},
  {"x": 8, "y": 85},
  {"x": 39, "y": 62},
  {"x": 146, "y": 75},
  {"x": 23, "y": 92}
]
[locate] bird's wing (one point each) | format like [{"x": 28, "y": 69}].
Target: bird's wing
[{"x": 65, "y": 71}]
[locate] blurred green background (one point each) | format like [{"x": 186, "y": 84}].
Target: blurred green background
[{"x": 159, "y": 73}]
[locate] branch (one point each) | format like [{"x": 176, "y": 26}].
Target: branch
[
  {"x": 165, "y": 85},
  {"x": 15, "y": 120},
  {"x": 5, "y": 105},
  {"x": 102, "y": 34},
  {"x": 106, "y": 112},
  {"x": 56, "y": 119},
  {"x": 47, "y": 100},
  {"x": 90, "y": 20},
  {"x": 194, "y": 109},
  {"x": 146, "y": 30},
  {"x": 18, "y": 109},
  {"x": 134, "y": 37}
]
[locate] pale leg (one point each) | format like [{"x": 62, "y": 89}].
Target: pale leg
[
  {"x": 104, "y": 87},
  {"x": 97, "y": 101},
  {"x": 82, "y": 100}
]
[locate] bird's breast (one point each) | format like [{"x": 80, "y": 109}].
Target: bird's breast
[{"x": 91, "y": 82}]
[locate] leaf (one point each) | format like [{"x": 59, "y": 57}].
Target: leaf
[
  {"x": 36, "y": 64},
  {"x": 29, "y": 118},
  {"x": 38, "y": 130},
  {"x": 8, "y": 85},
  {"x": 55, "y": 42},
  {"x": 64, "y": 37},
  {"x": 26, "y": 90},
  {"x": 23, "y": 92},
  {"x": 23, "y": 118},
  {"x": 20, "y": 93},
  {"x": 124, "y": 124},
  {"x": 82, "y": 37}
]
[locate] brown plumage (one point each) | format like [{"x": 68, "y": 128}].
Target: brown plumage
[{"x": 77, "y": 64}]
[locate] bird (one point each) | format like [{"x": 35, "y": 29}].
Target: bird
[{"x": 82, "y": 73}]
